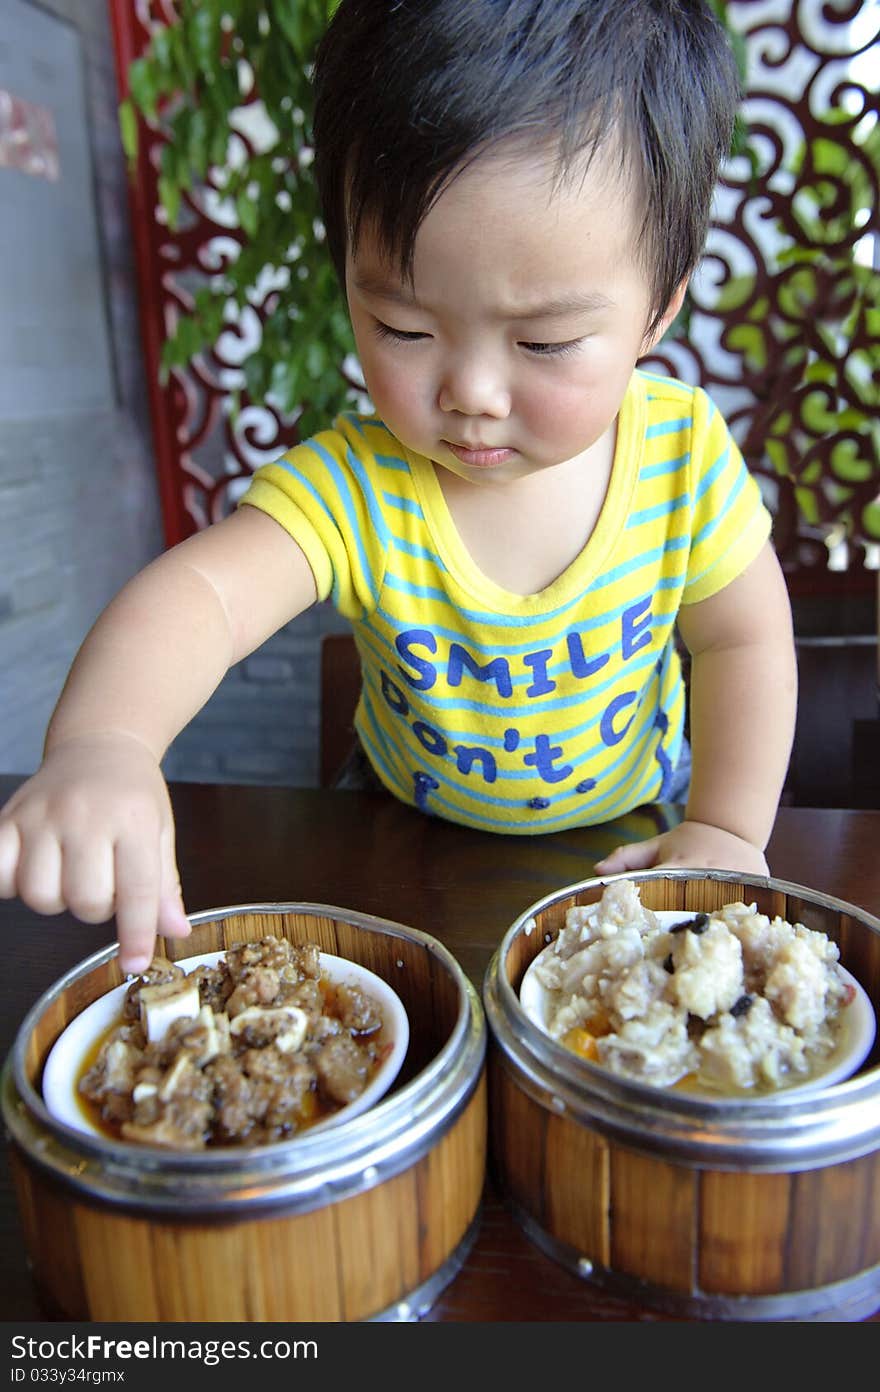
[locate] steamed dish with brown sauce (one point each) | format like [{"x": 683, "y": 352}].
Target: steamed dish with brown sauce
[
  {"x": 733, "y": 999},
  {"x": 246, "y": 1052}
]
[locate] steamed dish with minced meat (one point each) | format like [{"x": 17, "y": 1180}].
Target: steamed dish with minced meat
[
  {"x": 732, "y": 999},
  {"x": 250, "y": 1051}
]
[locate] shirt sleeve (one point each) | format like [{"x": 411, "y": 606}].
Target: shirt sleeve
[
  {"x": 323, "y": 493},
  {"x": 730, "y": 522}
]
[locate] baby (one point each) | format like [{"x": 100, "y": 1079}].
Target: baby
[{"x": 515, "y": 193}]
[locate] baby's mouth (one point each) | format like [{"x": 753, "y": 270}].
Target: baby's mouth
[{"x": 480, "y": 456}]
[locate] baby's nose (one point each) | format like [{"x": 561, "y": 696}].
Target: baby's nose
[{"x": 474, "y": 390}]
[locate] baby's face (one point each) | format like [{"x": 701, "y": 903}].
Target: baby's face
[{"x": 512, "y": 350}]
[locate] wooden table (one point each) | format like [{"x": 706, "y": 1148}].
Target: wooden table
[{"x": 367, "y": 852}]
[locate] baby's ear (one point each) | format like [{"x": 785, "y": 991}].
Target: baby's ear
[{"x": 669, "y": 314}]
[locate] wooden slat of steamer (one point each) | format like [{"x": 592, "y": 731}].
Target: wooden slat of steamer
[
  {"x": 428, "y": 992},
  {"x": 705, "y": 896},
  {"x": 577, "y": 1188},
  {"x": 119, "y": 1270},
  {"x": 653, "y": 1219},
  {"x": 551, "y": 921},
  {"x": 262, "y": 1269},
  {"x": 450, "y": 1181},
  {"x": 412, "y": 979},
  {"x": 663, "y": 894},
  {"x": 743, "y": 1231},
  {"x": 376, "y": 1236},
  {"x": 518, "y": 1141},
  {"x": 294, "y": 1268},
  {"x": 834, "y": 1231},
  {"x": 708, "y": 896},
  {"x": 814, "y": 916},
  {"x": 523, "y": 950},
  {"x": 50, "y": 1238}
]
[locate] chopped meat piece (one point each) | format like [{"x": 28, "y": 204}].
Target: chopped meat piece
[
  {"x": 308, "y": 960},
  {"x": 341, "y": 1068},
  {"x": 110, "y": 1080},
  {"x": 357, "y": 1010},
  {"x": 214, "y": 983},
  {"x": 307, "y": 995},
  {"x": 178, "y": 1113},
  {"x": 235, "y": 1101},
  {"x": 260, "y": 986},
  {"x": 281, "y": 1082},
  {"x": 275, "y": 953}
]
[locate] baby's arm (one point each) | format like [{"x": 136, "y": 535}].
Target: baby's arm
[
  {"x": 742, "y": 713},
  {"x": 92, "y": 831}
]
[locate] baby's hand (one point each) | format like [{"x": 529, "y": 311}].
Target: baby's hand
[
  {"x": 93, "y": 832},
  {"x": 693, "y": 844}
]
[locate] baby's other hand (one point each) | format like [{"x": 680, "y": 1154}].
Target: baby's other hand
[
  {"x": 694, "y": 845},
  {"x": 93, "y": 832}
]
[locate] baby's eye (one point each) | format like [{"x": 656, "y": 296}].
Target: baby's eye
[
  {"x": 397, "y": 335},
  {"x": 557, "y": 350}
]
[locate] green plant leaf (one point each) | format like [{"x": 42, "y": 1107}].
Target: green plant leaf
[
  {"x": 248, "y": 215},
  {"x": 203, "y": 34},
  {"x": 169, "y": 193},
  {"x": 128, "y": 131},
  {"x": 871, "y": 521},
  {"x": 143, "y": 86}
]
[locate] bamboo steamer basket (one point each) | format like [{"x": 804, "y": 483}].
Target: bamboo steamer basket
[
  {"x": 751, "y": 1210},
  {"x": 369, "y": 1219}
]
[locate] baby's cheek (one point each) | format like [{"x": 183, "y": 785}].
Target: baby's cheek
[
  {"x": 582, "y": 399},
  {"x": 561, "y": 410},
  {"x": 393, "y": 388}
]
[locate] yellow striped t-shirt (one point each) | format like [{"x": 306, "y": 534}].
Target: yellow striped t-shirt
[{"x": 522, "y": 713}]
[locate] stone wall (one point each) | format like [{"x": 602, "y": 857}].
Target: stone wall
[{"x": 79, "y": 509}]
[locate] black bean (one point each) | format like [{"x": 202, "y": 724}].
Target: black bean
[
  {"x": 669, "y": 965},
  {"x": 698, "y": 924},
  {"x": 742, "y": 1006}
]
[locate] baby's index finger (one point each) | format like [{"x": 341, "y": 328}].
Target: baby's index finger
[
  {"x": 137, "y": 903},
  {"x": 133, "y": 966}
]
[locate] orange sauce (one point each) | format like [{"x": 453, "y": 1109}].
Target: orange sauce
[
  {"x": 582, "y": 1043},
  {"x": 90, "y": 1110}
]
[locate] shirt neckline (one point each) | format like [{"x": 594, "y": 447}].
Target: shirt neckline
[{"x": 628, "y": 450}]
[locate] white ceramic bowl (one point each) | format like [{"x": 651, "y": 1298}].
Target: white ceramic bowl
[
  {"x": 64, "y": 1064},
  {"x": 857, "y": 1033}
]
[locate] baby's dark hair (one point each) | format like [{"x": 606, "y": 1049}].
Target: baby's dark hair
[{"x": 408, "y": 92}]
